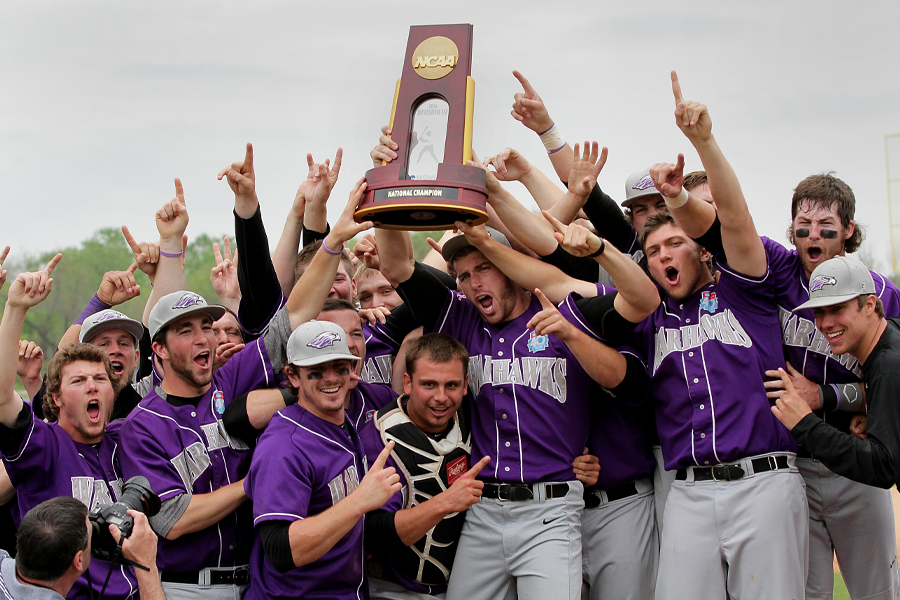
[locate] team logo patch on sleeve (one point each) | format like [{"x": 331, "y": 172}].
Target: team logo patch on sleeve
[
  {"x": 821, "y": 281},
  {"x": 323, "y": 340},
  {"x": 219, "y": 401},
  {"x": 370, "y": 415},
  {"x": 537, "y": 343},
  {"x": 456, "y": 469},
  {"x": 709, "y": 302}
]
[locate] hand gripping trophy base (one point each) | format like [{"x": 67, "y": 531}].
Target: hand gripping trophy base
[{"x": 393, "y": 202}]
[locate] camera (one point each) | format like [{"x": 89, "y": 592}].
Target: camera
[{"x": 136, "y": 495}]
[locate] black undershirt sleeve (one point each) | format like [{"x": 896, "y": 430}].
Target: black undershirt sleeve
[
  {"x": 260, "y": 290},
  {"x": 635, "y": 385},
  {"x": 425, "y": 295},
  {"x": 447, "y": 279},
  {"x": 11, "y": 438},
  {"x": 712, "y": 239},
  {"x": 608, "y": 219},
  {"x": 276, "y": 541},
  {"x": 309, "y": 235},
  {"x": 605, "y": 320},
  {"x": 577, "y": 267},
  {"x": 145, "y": 347},
  {"x": 382, "y": 533}
]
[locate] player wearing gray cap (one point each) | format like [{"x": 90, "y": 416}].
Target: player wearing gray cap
[
  {"x": 849, "y": 314},
  {"x": 309, "y": 495}
]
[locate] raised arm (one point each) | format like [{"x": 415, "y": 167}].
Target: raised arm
[
  {"x": 743, "y": 247},
  {"x": 529, "y": 110},
  {"x": 27, "y": 290},
  {"x": 224, "y": 276},
  {"x": 285, "y": 256},
  {"x": 638, "y": 296},
  {"x": 116, "y": 287},
  {"x": 396, "y": 257},
  {"x": 315, "y": 216},
  {"x": 311, "y": 291},
  {"x": 525, "y": 271},
  {"x": 171, "y": 223}
]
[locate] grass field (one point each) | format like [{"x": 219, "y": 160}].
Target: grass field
[{"x": 840, "y": 590}]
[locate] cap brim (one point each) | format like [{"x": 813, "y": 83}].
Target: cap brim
[
  {"x": 827, "y": 301},
  {"x": 322, "y": 358},
  {"x": 130, "y": 325},
  {"x": 628, "y": 202},
  {"x": 214, "y": 311},
  {"x": 453, "y": 245}
]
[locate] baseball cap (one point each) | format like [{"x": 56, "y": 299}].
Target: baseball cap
[
  {"x": 317, "y": 342},
  {"x": 455, "y": 244},
  {"x": 637, "y": 185},
  {"x": 110, "y": 319},
  {"x": 837, "y": 280},
  {"x": 172, "y": 307}
]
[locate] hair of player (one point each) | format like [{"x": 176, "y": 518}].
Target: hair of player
[
  {"x": 461, "y": 253},
  {"x": 695, "y": 179},
  {"x": 337, "y": 304},
  {"x": 67, "y": 356},
  {"x": 309, "y": 251},
  {"x": 49, "y": 537},
  {"x": 827, "y": 191},
  {"x": 439, "y": 348},
  {"x": 654, "y": 222},
  {"x": 879, "y": 305},
  {"x": 364, "y": 272}
]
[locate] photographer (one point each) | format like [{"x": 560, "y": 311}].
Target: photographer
[{"x": 54, "y": 550}]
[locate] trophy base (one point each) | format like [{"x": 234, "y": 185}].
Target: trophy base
[{"x": 391, "y": 202}]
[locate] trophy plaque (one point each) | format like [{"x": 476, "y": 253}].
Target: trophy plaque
[{"x": 429, "y": 186}]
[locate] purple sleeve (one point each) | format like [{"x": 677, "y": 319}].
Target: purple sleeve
[
  {"x": 280, "y": 480},
  {"x": 889, "y": 294},
  {"x": 248, "y": 370}
]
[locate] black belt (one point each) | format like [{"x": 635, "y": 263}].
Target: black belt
[
  {"x": 626, "y": 490},
  {"x": 522, "y": 492},
  {"x": 732, "y": 472},
  {"x": 238, "y": 576}
]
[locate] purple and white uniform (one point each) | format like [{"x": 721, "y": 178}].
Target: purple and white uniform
[
  {"x": 49, "y": 463},
  {"x": 365, "y": 400},
  {"x": 185, "y": 450},
  {"x": 846, "y": 518},
  {"x": 707, "y": 356},
  {"x": 381, "y": 347},
  {"x": 304, "y": 466}
]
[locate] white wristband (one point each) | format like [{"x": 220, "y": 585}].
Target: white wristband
[
  {"x": 552, "y": 140},
  {"x": 679, "y": 200}
]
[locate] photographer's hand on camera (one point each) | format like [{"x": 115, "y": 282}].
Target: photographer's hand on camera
[{"x": 140, "y": 547}]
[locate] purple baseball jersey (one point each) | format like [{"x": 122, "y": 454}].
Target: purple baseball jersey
[
  {"x": 806, "y": 347},
  {"x": 303, "y": 466},
  {"x": 365, "y": 400},
  {"x": 707, "y": 356},
  {"x": 619, "y": 434},
  {"x": 49, "y": 464},
  {"x": 532, "y": 404},
  {"x": 381, "y": 347},
  {"x": 185, "y": 450}
]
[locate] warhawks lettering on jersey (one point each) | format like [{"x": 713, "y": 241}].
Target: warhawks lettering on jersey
[
  {"x": 191, "y": 463},
  {"x": 94, "y": 493},
  {"x": 722, "y": 326},
  {"x": 802, "y": 333},
  {"x": 343, "y": 484},
  {"x": 378, "y": 369},
  {"x": 545, "y": 374},
  {"x": 217, "y": 437}
]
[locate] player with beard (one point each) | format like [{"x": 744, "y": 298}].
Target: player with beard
[
  {"x": 853, "y": 521},
  {"x": 78, "y": 454},
  {"x": 176, "y": 437}
]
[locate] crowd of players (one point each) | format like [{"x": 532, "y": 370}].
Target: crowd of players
[{"x": 577, "y": 403}]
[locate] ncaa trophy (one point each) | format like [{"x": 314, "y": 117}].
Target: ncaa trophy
[{"x": 429, "y": 186}]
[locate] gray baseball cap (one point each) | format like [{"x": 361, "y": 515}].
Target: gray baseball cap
[
  {"x": 110, "y": 319},
  {"x": 455, "y": 244},
  {"x": 637, "y": 185},
  {"x": 172, "y": 307},
  {"x": 837, "y": 280},
  {"x": 317, "y": 342}
]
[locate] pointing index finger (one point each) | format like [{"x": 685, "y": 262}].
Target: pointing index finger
[
  {"x": 179, "y": 190},
  {"x": 676, "y": 88},
  {"x": 525, "y": 84},
  {"x": 248, "y": 156},
  {"x": 382, "y": 458},
  {"x": 545, "y": 302},
  {"x": 132, "y": 243},
  {"x": 556, "y": 223},
  {"x": 477, "y": 467},
  {"x": 52, "y": 264}
]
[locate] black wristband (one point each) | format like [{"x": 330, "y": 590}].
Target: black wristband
[
  {"x": 600, "y": 251},
  {"x": 828, "y": 397}
]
